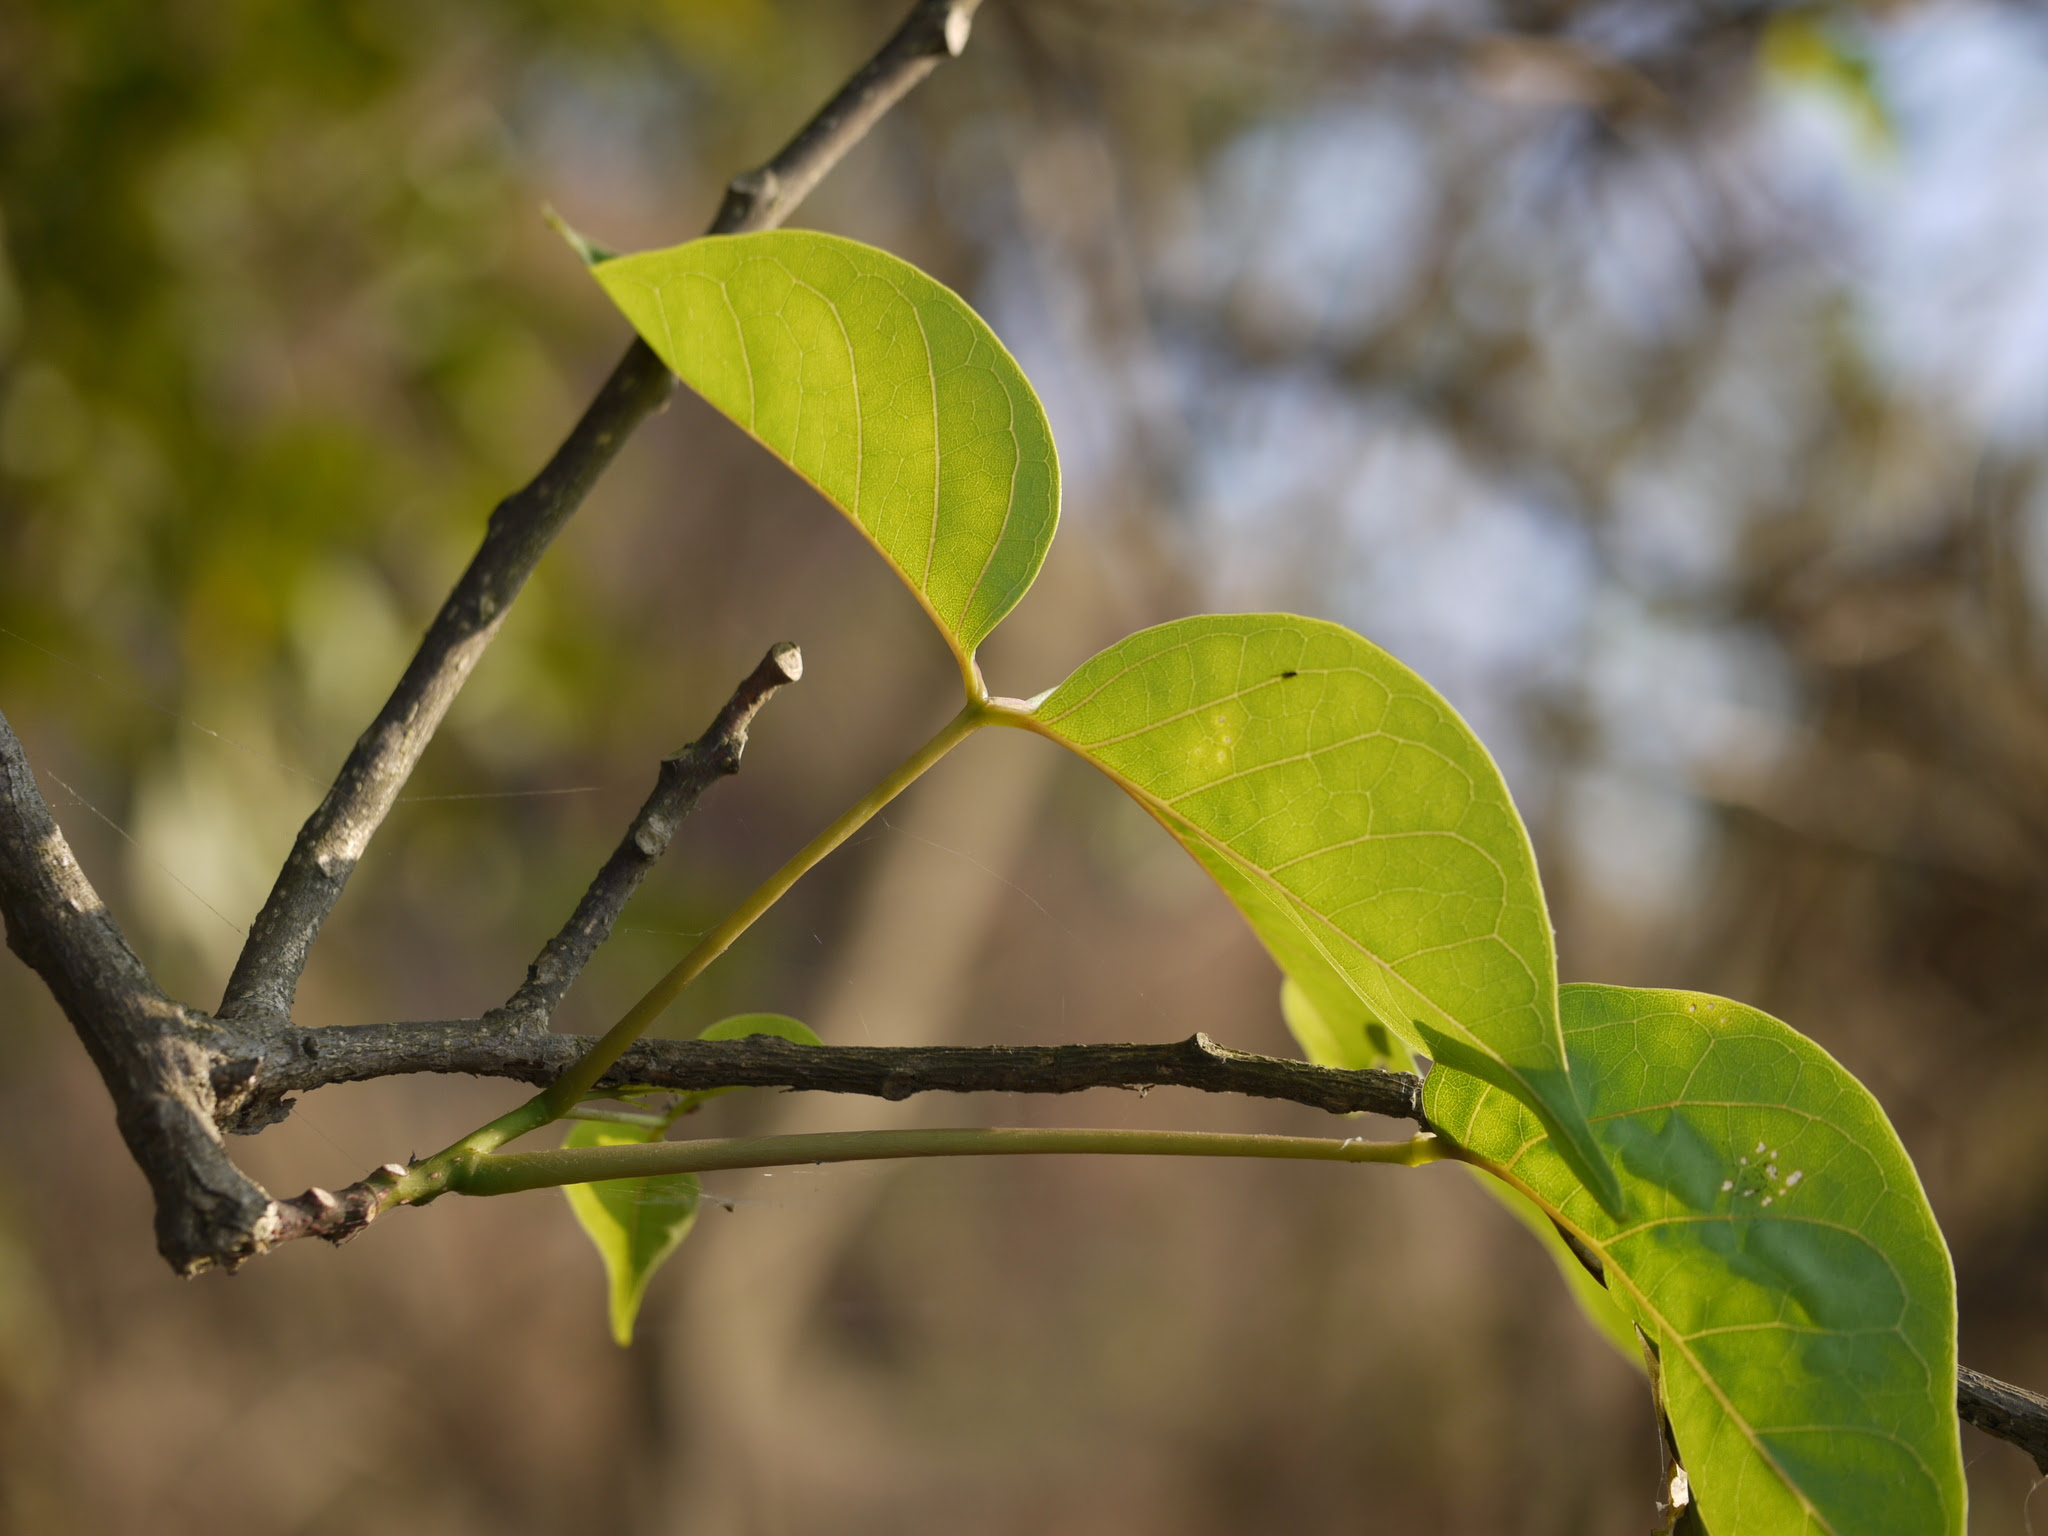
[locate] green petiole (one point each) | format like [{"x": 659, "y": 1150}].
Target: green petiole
[{"x": 512, "y": 1172}]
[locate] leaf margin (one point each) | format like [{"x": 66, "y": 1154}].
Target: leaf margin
[
  {"x": 1950, "y": 1486},
  {"x": 963, "y": 639},
  {"x": 1298, "y": 947}
]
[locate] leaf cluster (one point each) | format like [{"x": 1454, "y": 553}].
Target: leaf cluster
[{"x": 1716, "y": 1187}]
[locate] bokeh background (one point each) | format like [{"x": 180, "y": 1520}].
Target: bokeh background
[{"x": 1665, "y": 379}]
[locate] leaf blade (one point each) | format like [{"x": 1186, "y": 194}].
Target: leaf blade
[
  {"x": 1357, "y": 823},
  {"x": 1778, "y": 1248},
  {"x": 740, "y": 1027},
  {"x": 878, "y": 385},
  {"x": 634, "y": 1224}
]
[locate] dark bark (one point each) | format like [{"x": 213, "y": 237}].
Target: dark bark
[
  {"x": 156, "y": 1056},
  {"x": 178, "y": 1076},
  {"x": 266, "y": 975},
  {"x": 356, "y": 1053},
  {"x": 2005, "y": 1412},
  {"x": 678, "y": 787},
  {"x": 176, "y": 1073}
]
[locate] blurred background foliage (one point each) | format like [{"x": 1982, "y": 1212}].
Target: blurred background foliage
[{"x": 1666, "y": 379}]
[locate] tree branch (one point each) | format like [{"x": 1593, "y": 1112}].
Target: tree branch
[
  {"x": 174, "y": 1073},
  {"x": 677, "y": 789},
  {"x": 352, "y": 1053},
  {"x": 266, "y": 975},
  {"x": 935, "y": 30},
  {"x": 2005, "y": 1412},
  {"x": 155, "y": 1055},
  {"x": 477, "y": 1047}
]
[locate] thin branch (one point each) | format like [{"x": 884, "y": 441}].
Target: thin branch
[
  {"x": 359, "y": 1052},
  {"x": 2005, "y": 1412},
  {"x": 266, "y": 975},
  {"x": 564, "y": 1092},
  {"x": 354, "y": 1052},
  {"x": 677, "y": 789},
  {"x": 935, "y": 30}
]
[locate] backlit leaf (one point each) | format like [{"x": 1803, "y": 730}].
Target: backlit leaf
[
  {"x": 634, "y": 1223},
  {"x": 739, "y": 1027},
  {"x": 742, "y": 1026},
  {"x": 879, "y": 386},
  {"x": 1335, "y": 1029},
  {"x": 1776, "y": 1246},
  {"x": 1357, "y": 823},
  {"x": 1594, "y": 1299}
]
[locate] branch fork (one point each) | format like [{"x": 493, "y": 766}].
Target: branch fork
[{"x": 180, "y": 1077}]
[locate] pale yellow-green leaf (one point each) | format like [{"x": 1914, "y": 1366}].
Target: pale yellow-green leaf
[
  {"x": 878, "y": 385},
  {"x": 634, "y": 1223},
  {"x": 1359, "y": 826},
  {"x": 1774, "y": 1243}
]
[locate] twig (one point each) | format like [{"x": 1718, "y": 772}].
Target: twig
[
  {"x": 175, "y": 1074},
  {"x": 2005, "y": 1412},
  {"x": 266, "y": 975},
  {"x": 935, "y": 30},
  {"x": 359, "y": 1052},
  {"x": 677, "y": 789}
]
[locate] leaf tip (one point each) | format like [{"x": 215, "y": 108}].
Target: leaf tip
[{"x": 591, "y": 253}]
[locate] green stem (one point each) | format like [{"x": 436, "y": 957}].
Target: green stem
[
  {"x": 566, "y": 1090},
  {"x": 434, "y": 1175},
  {"x": 511, "y": 1172},
  {"x": 620, "y": 1117}
]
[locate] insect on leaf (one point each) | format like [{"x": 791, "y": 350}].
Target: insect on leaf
[
  {"x": 880, "y": 387},
  {"x": 1357, "y": 823},
  {"x": 1774, "y": 1244}
]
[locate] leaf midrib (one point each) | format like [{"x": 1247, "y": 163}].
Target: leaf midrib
[
  {"x": 1178, "y": 825},
  {"x": 1682, "y": 1342}
]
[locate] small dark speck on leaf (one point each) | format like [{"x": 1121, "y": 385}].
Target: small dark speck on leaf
[{"x": 1285, "y": 675}]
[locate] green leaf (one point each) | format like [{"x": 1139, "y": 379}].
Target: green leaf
[
  {"x": 1337, "y": 1030},
  {"x": 1775, "y": 1245},
  {"x": 1357, "y": 823},
  {"x": 1594, "y": 1299},
  {"x": 743, "y": 1026},
  {"x": 635, "y": 1223},
  {"x": 739, "y": 1027},
  {"x": 880, "y": 387}
]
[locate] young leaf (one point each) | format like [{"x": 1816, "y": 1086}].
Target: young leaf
[
  {"x": 1356, "y": 822},
  {"x": 742, "y": 1026},
  {"x": 1775, "y": 1245},
  {"x": 739, "y": 1027},
  {"x": 635, "y": 1223},
  {"x": 880, "y": 387}
]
